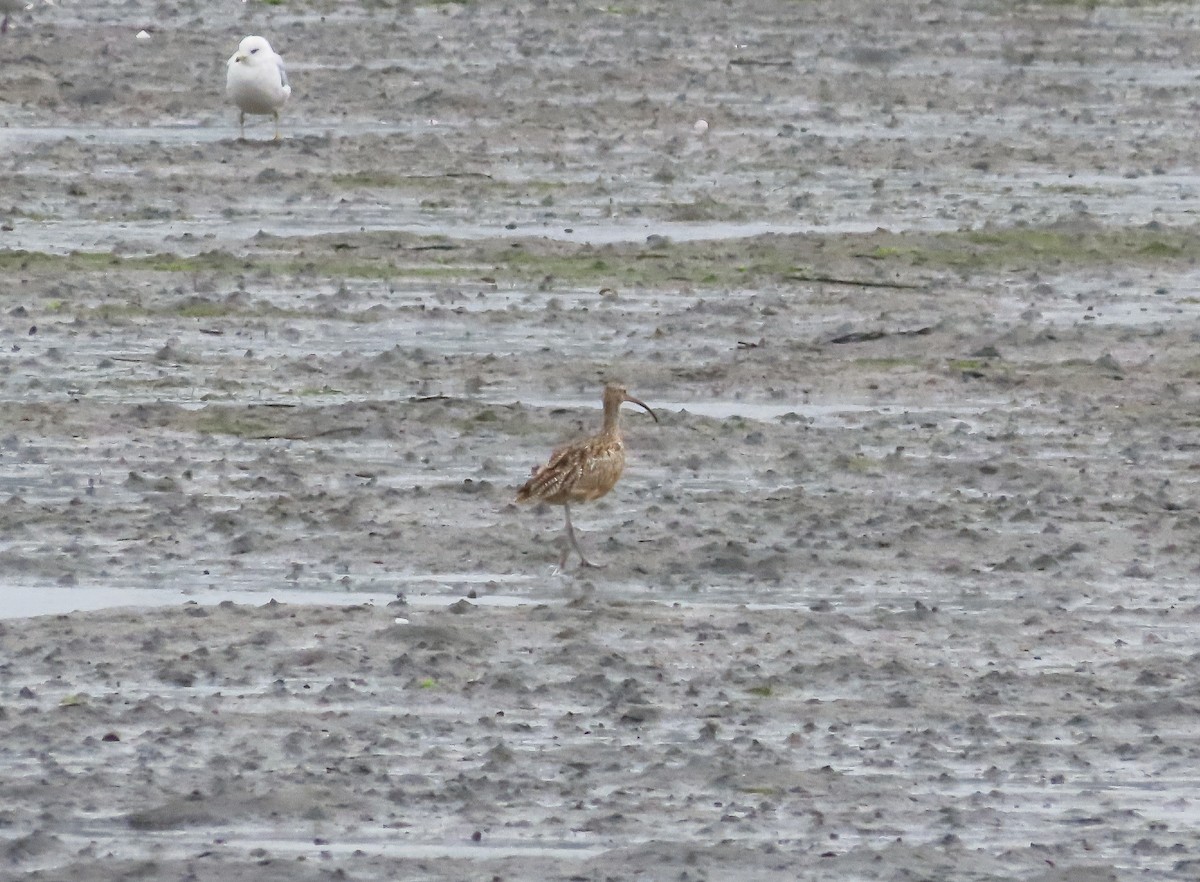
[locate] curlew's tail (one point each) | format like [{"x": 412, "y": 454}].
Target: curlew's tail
[{"x": 527, "y": 490}]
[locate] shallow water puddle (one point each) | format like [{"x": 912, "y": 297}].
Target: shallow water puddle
[
  {"x": 389, "y": 844},
  {"x": 186, "y": 134},
  {"x": 818, "y": 415},
  {"x": 18, "y": 602},
  {"x": 393, "y": 849}
]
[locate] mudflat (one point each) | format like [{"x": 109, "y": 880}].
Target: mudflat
[{"x": 902, "y": 585}]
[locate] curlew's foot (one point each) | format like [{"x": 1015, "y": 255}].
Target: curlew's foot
[{"x": 583, "y": 561}]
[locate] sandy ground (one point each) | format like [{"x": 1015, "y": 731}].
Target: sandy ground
[{"x": 902, "y": 585}]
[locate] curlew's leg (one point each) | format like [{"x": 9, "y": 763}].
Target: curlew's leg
[{"x": 571, "y": 536}]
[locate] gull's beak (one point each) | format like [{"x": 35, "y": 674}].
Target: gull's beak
[
  {"x": 642, "y": 405},
  {"x": 240, "y": 58}
]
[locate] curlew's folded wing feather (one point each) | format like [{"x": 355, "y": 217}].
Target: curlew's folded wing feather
[
  {"x": 577, "y": 473},
  {"x": 548, "y": 481}
]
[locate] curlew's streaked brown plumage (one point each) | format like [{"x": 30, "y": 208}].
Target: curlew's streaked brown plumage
[{"x": 585, "y": 470}]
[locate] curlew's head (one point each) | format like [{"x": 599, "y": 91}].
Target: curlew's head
[{"x": 615, "y": 395}]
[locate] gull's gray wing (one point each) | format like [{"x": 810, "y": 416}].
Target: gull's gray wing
[{"x": 283, "y": 80}]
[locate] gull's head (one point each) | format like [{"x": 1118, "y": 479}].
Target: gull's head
[{"x": 251, "y": 48}]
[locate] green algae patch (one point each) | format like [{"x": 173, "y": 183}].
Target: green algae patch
[
  {"x": 1029, "y": 248},
  {"x": 879, "y": 259},
  {"x": 233, "y": 421}
]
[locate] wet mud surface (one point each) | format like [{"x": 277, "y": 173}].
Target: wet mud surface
[{"x": 901, "y": 586}]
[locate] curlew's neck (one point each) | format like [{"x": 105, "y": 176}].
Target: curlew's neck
[{"x": 612, "y": 417}]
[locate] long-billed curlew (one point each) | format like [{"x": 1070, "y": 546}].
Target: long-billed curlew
[
  {"x": 585, "y": 470},
  {"x": 256, "y": 81}
]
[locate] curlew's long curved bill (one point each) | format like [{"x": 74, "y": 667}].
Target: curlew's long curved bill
[{"x": 643, "y": 405}]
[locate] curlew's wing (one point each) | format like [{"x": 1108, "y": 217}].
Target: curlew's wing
[
  {"x": 547, "y": 480},
  {"x": 576, "y": 473}
]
